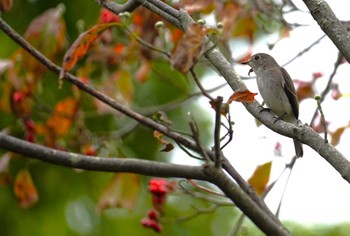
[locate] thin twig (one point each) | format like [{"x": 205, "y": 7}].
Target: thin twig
[
  {"x": 323, "y": 119},
  {"x": 193, "y": 183},
  {"x": 217, "y": 128},
  {"x": 195, "y": 135},
  {"x": 329, "y": 84},
  {"x": 305, "y": 50},
  {"x": 238, "y": 225},
  {"x": 188, "y": 152},
  {"x": 229, "y": 131},
  {"x": 201, "y": 88}
]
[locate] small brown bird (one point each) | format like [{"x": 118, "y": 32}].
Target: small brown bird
[{"x": 277, "y": 89}]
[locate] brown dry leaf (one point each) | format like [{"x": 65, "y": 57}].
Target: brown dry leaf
[
  {"x": 122, "y": 191},
  {"x": 202, "y": 6},
  {"x": 260, "y": 177},
  {"x": 5, "y": 5},
  {"x": 245, "y": 27},
  {"x": 336, "y": 135},
  {"x": 82, "y": 45},
  {"x": 167, "y": 146},
  {"x": 304, "y": 89},
  {"x": 228, "y": 13},
  {"x": 25, "y": 189},
  {"x": 242, "y": 96},
  {"x": 225, "y": 107},
  {"x": 188, "y": 48},
  {"x": 47, "y": 33}
]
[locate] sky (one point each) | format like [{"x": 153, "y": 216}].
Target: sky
[{"x": 316, "y": 193}]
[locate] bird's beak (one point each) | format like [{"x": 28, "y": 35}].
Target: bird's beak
[{"x": 247, "y": 63}]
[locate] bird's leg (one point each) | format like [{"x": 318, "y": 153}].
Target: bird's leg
[
  {"x": 264, "y": 108},
  {"x": 277, "y": 118}
]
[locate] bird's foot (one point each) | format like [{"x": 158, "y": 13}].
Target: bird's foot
[
  {"x": 264, "y": 109},
  {"x": 277, "y": 118}
]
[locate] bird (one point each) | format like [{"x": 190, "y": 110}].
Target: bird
[{"x": 277, "y": 90}]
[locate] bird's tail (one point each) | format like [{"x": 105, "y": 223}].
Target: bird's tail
[{"x": 298, "y": 148}]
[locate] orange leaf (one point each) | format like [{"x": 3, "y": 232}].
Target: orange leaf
[
  {"x": 260, "y": 177},
  {"x": 168, "y": 146},
  {"x": 188, "y": 49},
  {"x": 81, "y": 46},
  {"x": 61, "y": 119},
  {"x": 25, "y": 189},
  {"x": 122, "y": 191},
  {"x": 242, "y": 96}
]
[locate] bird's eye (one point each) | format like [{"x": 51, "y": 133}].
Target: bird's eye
[{"x": 256, "y": 57}]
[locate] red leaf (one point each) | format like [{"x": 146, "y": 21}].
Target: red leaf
[
  {"x": 317, "y": 75},
  {"x": 108, "y": 16},
  {"x": 82, "y": 45}
]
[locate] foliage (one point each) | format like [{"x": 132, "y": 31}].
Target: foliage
[{"x": 144, "y": 64}]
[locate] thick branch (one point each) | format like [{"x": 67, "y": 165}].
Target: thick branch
[
  {"x": 73, "y": 160},
  {"x": 331, "y": 25},
  {"x": 256, "y": 214}
]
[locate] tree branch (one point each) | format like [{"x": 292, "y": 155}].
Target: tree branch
[
  {"x": 330, "y": 24},
  {"x": 74, "y": 160},
  {"x": 129, "y": 6},
  {"x": 267, "y": 224}
]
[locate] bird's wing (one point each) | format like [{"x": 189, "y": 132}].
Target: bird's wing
[{"x": 290, "y": 91}]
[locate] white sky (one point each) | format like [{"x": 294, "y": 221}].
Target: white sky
[{"x": 316, "y": 193}]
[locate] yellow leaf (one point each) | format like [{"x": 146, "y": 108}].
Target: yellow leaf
[
  {"x": 260, "y": 177},
  {"x": 121, "y": 191}
]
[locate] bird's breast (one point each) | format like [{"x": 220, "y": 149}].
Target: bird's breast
[{"x": 272, "y": 91}]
